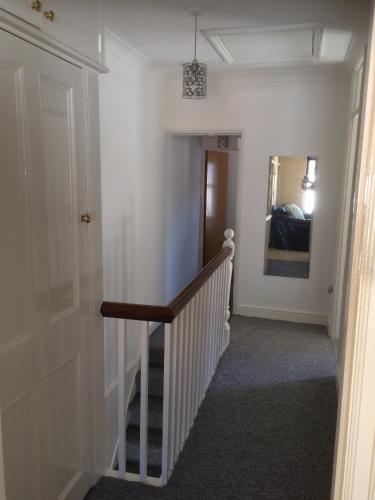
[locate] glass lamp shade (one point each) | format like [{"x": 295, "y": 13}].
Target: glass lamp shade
[{"x": 194, "y": 80}]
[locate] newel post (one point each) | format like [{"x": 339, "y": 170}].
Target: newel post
[{"x": 228, "y": 243}]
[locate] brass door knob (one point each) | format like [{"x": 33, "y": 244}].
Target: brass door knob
[
  {"x": 37, "y": 5},
  {"x": 49, "y": 14},
  {"x": 86, "y": 218}
]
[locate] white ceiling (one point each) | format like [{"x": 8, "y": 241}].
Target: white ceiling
[
  {"x": 267, "y": 46},
  {"x": 253, "y": 32}
]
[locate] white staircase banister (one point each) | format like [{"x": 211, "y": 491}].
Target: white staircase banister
[{"x": 196, "y": 334}]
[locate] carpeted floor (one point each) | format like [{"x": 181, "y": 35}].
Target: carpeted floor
[
  {"x": 267, "y": 426},
  {"x": 287, "y": 268}
]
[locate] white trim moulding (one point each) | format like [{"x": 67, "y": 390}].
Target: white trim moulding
[
  {"x": 295, "y": 316},
  {"x": 214, "y": 38}
]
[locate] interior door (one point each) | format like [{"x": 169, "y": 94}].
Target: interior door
[
  {"x": 215, "y": 203},
  {"x": 44, "y": 292}
]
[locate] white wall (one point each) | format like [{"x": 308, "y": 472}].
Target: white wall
[
  {"x": 183, "y": 180},
  {"x": 150, "y": 203},
  {"x": 133, "y": 163},
  {"x": 291, "y": 114}
]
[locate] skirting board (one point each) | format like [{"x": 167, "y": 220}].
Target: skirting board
[{"x": 282, "y": 314}]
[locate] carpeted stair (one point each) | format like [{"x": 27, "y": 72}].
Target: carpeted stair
[{"x": 155, "y": 411}]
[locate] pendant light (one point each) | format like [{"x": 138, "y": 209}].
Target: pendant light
[{"x": 194, "y": 79}]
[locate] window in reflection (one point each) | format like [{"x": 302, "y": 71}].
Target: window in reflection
[
  {"x": 290, "y": 208},
  {"x": 308, "y": 185},
  {"x": 211, "y": 186}
]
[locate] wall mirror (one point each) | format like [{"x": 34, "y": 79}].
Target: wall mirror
[{"x": 290, "y": 210}]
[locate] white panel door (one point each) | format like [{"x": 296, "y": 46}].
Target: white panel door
[{"x": 44, "y": 289}]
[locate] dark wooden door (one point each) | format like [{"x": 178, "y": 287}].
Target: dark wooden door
[{"x": 215, "y": 206}]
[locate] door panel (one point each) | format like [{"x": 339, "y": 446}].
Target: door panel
[
  {"x": 15, "y": 264},
  {"x": 61, "y": 199},
  {"x": 45, "y": 331},
  {"x": 216, "y": 191},
  {"x": 66, "y": 388},
  {"x": 18, "y": 421},
  {"x": 19, "y": 371}
]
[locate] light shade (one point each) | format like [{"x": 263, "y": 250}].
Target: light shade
[{"x": 194, "y": 80}]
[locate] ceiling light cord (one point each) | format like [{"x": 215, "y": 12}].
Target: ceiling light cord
[{"x": 194, "y": 74}]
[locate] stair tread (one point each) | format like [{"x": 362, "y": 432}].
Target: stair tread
[
  {"x": 155, "y": 381},
  {"x": 155, "y": 411},
  {"x": 152, "y": 470},
  {"x": 154, "y": 448},
  {"x": 154, "y": 436},
  {"x": 156, "y": 347}
]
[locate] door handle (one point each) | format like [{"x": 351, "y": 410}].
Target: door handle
[
  {"x": 86, "y": 218},
  {"x": 50, "y": 15},
  {"x": 37, "y": 5}
]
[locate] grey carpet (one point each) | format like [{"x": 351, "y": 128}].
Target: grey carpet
[
  {"x": 267, "y": 426},
  {"x": 287, "y": 268}
]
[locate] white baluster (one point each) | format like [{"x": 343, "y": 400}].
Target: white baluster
[
  {"x": 228, "y": 243},
  {"x": 172, "y": 419},
  {"x": 196, "y": 364},
  {"x": 189, "y": 380},
  {"x": 215, "y": 322},
  {"x": 217, "y": 317},
  {"x": 208, "y": 333},
  {"x": 184, "y": 363},
  {"x": 144, "y": 402},
  {"x": 222, "y": 306},
  {"x": 180, "y": 327},
  {"x": 121, "y": 399},
  {"x": 167, "y": 400},
  {"x": 212, "y": 326},
  {"x": 203, "y": 337}
]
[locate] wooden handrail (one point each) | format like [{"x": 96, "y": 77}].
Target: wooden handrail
[{"x": 165, "y": 314}]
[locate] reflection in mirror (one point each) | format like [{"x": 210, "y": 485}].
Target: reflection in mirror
[{"x": 290, "y": 209}]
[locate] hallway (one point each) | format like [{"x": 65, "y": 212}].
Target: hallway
[{"x": 266, "y": 428}]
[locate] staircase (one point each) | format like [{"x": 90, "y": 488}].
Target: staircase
[
  {"x": 155, "y": 411},
  {"x": 177, "y": 364}
]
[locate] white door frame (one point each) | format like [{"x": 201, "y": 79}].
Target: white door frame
[
  {"x": 354, "y": 474},
  {"x": 335, "y": 326},
  {"x": 225, "y": 131}
]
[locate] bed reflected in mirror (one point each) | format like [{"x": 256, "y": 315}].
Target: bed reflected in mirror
[{"x": 290, "y": 210}]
